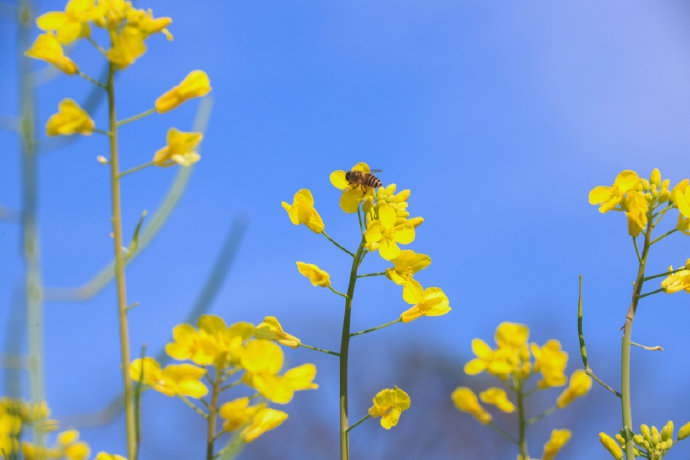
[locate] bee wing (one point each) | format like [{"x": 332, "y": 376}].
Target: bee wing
[{"x": 376, "y": 170}]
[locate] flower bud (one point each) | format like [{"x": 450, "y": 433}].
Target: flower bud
[
  {"x": 684, "y": 431},
  {"x": 655, "y": 178},
  {"x": 645, "y": 184}
]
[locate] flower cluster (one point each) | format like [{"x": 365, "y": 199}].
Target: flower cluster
[
  {"x": 651, "y": 443},
  {"x": 228, "y": 356},
  {"x": 514, "y": 361}
]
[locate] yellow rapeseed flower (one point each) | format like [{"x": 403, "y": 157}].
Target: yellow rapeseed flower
[
  {"x": 384, "y": 233},
  {"x": 611, "y": 445},
  {"x": 183, "y": 379},
  {"x": 684, "y": 431},
  {"x": 427, "y": 302},
  {"x": 407, "y": 264},
  {"x": 72, "y": 24},
  {"x": 106, "y": 456},
  {"x": 317, "y": 276},
  {"x": 580, "y": 383},
  {"x": 48, "y": 48},
  {"x": 270, "y": 329},
  {"x": 610, "y": 197},
  {"x": 353, "y": 194},
  {"x": 551, "y": 361},
  {"x": 180, "y": 149},
  {"x": 497, "y": 397},
  {"x": 127, "y": 46},
  {"x": 677, "y": 281},
  {"x": 144, "y": 21},
  {"x": 70, "y": 446},
  {"x": 511, "y": 357},
  {"x": 70, "y": 119},
  {"x": 636, "y": 207},
  {"x": 264, "y": 420},
  {"x": 196, "y": 84},
  {"x": 681, "y": 197},
  {"x": 466, "y": 401},
  {"x": 558, "y": 439},
  {"x": 302, "y": 211},
  {"x": 237, "y": 413},
  {"x": 389, "y": 404}
]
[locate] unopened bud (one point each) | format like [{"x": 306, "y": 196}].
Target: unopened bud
[
  {"x": 102, "y": 160},
  {"x": 655, "y": 178}
]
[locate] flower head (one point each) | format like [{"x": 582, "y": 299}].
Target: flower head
[
  {"x": 636, "y": 207},
  {"x": 466, "y": 401},
  {"x": 384, "y": 232},
  {"x": 106, "y": 456},
  {"x": 611, "y": 445},
  {"x": 389, "y": 404},
  {"x": 317, "y": 276},
  {"x": 70, "y": 119},
  {"x": 182, "y": 379},
  {"x": 405, "y": 265},
  {"x": 427, "y": 302},
  {"x": 353, "y": 193},
  {"x": 48, "y": 48},
  {"x": 196, "y": 84},
  {"x": 681, "y": 197},
  {"x": 497, "y": 397},
  {"x": 610, "y": 197},
  {"x": 579, "y": 385},
  {"x": 180, "y": 149},
  {"x": 264, "y": 420},
  {"x": 551, "y": 361},
  {"x": 510, "y": 357},
  {"x": 271, "y": 329},
  {"x": 70, "y": 25},
  {"x": 302, "y": 211},
  {"x": 128, "y": 45},
  {"x": 677, "y": 281},
  {"x": 559, "y": 438}
]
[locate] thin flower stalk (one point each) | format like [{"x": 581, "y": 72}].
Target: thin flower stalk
[{"x": 211, "y": 433}]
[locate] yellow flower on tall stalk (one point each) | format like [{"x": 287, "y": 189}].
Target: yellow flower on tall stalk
[
  {"x": 270, "y": 329},
  {"x": 610, "y": 197},
  {"x": 353, "y": 194},
  {"x": 510, "y": 357},
  {"x": 302, "y": 211},
  {"x": 317, "y": 276},
  {"x": 389, "y": 403},
  {"x": 195, "y": 84},
  {"x": 384, "y": 233},
  {"x": 497, "y": 397},
  {"x": 405, "y": 265},
  {"x": 237, "y": 413},
  {"x": 427, "y": 302},
  {"x": 636, "y": 206},
  {"x": 180, "y": 149},
  {"x": 681, "y": 197},
  {"x": 558, "y": 439},
  {"x": 175, "y": 379},
  {"x": 72, "y": 24},
  {"x": 466, "y": 401},
  {"x": 127, "y": 46},
  {"x": 551, "y": 361},
  {"x": 48, "y": 48},
  {"x": 579, "y": 385},
  {"x": 677, "y": 281},
  {"x": 611, "y": 445},
  {"x": 264, "y": 420},
  {"x": 70, "y": 119}
]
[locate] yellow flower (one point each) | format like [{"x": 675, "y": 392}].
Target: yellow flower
[
  {"x": 610, "y": 197},
  {"x": 10, "y": 427},
  {"x": 636, "y": 207},
  {"x": 389, "y": 404},
  {"x": 128, "y": 46},
  {"x": 384, "y": 233},
  {"x": 112, "y": 13},
  {"x": 271, "y": 329},
  {"x": 559, "y": 438},
  {"x": 551, "y": 361},
  {"x": 684, "y": 431},
  {"x": 676, "y": 281},
  {"x": 427, "y": 302},
  {"x": 47, "y": 48},
  {"x": 317, "y": 276},
  {"x": 70, "y": 25},
  {"x": 180, "y": 149},
  {"x": 407, "y": 264},
  {"x": 302, "y": 211},
  {"x": 511, "y": 335},
  {"x": 237, "y": 413},
  {"x": 579, "y": 385},
  {"x": 106, "y": 456},
  {"x": 147, "y": 24},
  {"x": 611, "y": 445},
  {"x": 497, "y": 397},
  {"x": 264, "y": 420},
  {"x": 681, "y": 197},
  {"x": 196, "y": 84},
  {"x": 70, "y": 119},
  {"x": 71, "y": 447},
  {"x": 175, "y": 379},
  {"x": 466, "y": 401},
  {"x": 511, "y": 357},
  {"x": 353, "y": 194}
]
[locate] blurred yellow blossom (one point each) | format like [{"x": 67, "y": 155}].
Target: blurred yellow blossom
[
  {"x": 610, "y": 197},
  {"x": 389, "y": 404},
  {"x": 70, "y": 119},
  {"x": 175, "y": 379},
  {"x": 511, "y": 357},
  {"x": 558, "y": 439},
  {"x": 580, "y": 383},
  {"x": 302, "y": 211},
  {"x": 72, "y": 448},
  {"x": 48, "y": 48},
  {"x": 317, "y": 276},
  {"x": 684, "y": 431},
  {"x": 497, "y": 397},
  {"x": 70, "y": 25},
  {"x": 144, "y": 21},
  {"x": 196, "y": 84},
  {"x": 127, "y": 47},
  {"x": 106, "y": 456},
  {"x": 180, "y": 149},
  {"x": 407, "y": 264},
  {"x": 466, "y": 401},
  {"x": 427, "y": 302},
  {"x": 264, "y": 420},
  {"x": 384, "y": 234},
  {"x": 551, "y": 361},
  {"x": 611, "y": 445},
  {"x": 270, "y": 329},
  {"x": 636, "y": 207},
  {"x": 237, "y": 413}
]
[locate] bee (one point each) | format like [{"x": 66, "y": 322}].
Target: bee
[{"x": 363, "y": 179}]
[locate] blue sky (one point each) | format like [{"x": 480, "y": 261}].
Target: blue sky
[{"x": 499, "y": 116}]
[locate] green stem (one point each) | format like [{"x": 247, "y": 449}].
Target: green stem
[
  {"x": 120, "y": 271},
  {"x": 359, "y": 216},
  {"x": 193, "y": 406},
  {"x": 371, "y": 274},
  {"x": 337, "y": 292},
  {"x": 319, "y": 349},
  {"x": 664, "y": 235},
  {"x": 100, "y": 131},
  {"x": 96, "y": 45},
  {"x": 504, "y": 433},
  {"x": 136, "y": 117},
  {"x": 95, "y": 82},
  {"x": 647, "y": 278},
  {"x": 344, "y": 349},
  {"x": 625, "y": 347},
  {"x": 522, "y": 440},
  {"x": 654, "y": 348},
  {"x": 637, "y": 250},
  {"x": 135, "y": 169},
  {"x": 376, "y": 328},
  {"x": 358, "y": 422},
  {"x": 652, "y": 292},
  {"x": 210, "y": 436},
  {"x": 30, "y": 238},
  {"x": 230, "y": 385},
  {"x": 546, "y": 413},
  {"x": 660, "y": 215},
  {"x": 332, "y": 241}
]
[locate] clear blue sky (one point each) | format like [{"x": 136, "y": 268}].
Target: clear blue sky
[{"x": 500, "y": 116}]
